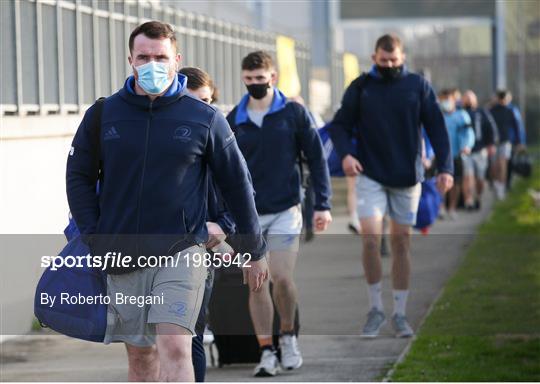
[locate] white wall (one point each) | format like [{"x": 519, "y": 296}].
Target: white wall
[{"x": 33, "y": 152}]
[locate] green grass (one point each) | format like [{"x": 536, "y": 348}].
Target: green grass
[{"x": 486, "y": 325}]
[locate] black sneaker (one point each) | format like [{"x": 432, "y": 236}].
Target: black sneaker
[{"x": 354, "y": 229}]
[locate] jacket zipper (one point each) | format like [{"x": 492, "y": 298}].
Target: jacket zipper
[{"x": 142, "y": 174}]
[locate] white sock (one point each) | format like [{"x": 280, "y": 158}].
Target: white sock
[
  {"x": 400, "y": 301},
  {"x": 375, "y": 295},
  {"x": 354, "y": 220}
]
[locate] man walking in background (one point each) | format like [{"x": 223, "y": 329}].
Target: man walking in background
[
  {"x": 511, "y": 138},
  {"x": 272, "y": 133},
  {"x": 388, "y": 106},
  {"x": 486, "y": 137},
  {"x": 458, "y": 124}
]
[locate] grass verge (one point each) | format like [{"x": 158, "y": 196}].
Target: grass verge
[{"x": 486, "y": 325}]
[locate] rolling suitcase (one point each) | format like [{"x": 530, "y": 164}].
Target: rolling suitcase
[{"x": 230, "y": 320}]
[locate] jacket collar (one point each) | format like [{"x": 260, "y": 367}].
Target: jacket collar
[
  {"x": 374, "y": 73},
  {"x": 175, "y": 91},
  {"x": 278, "y": 103}
]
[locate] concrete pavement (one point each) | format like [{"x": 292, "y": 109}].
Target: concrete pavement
[{"x": 333, "y": 304}]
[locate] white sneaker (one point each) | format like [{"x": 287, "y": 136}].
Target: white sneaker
[
  {"x": 443, "y": 214},
  {"x": 268, "y": 366},
  {"x": 290, "y": 355},
  {"x": 208, "y": 336},
  {"x": 499, "y": 190}
]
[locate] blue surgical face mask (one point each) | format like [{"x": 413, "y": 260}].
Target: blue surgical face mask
[
  {"x": 153, "y": 77},
  {"x": 447, "y": 106}
]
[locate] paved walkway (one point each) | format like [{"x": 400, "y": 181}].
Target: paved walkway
[{"x": 333, "y": 304}]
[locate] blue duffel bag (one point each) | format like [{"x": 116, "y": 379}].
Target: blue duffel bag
[
  {"x": 428, "y": 207},
  {"x": 76, "y": 319},
  {"x": 332, "y": 158}
]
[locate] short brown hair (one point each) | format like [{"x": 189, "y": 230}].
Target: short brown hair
[
  {"x": 196, "y": 78},
  {"x": 153, "y": 30},
  {"x": 257, "y": 60},
  {"x": 388, "y": 42},
  {"x": 445, "y": 93}
]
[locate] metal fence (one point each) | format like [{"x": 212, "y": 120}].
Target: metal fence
[
  {"x": 59, "y": 56},
  {"x": 337, "y": 80}
]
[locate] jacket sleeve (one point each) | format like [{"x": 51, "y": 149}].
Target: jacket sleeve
[
  {"x": 231, "y": 117},
  {"x": 230, "y": 172},
  {"x": 467, "y": 133},
  {"x": 82, "y": 177},
  {"x": 490, "y": 134},
  {"x": 217, "y": 209},
  {"x": 433, "y": 122},
  {"x": 311, "y": 146},
  {"x": 341, "y": 129},
  {"x": 519, "y": 127}
]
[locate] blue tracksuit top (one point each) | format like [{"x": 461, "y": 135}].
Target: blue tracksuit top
[
  {"x": 272, "y": 152},
  {"x": 460, "y": 131},
  {"x": 509, "y": 123},
  {"x": 217, "y": 209},
  {"x": 389, "y": 115},
  {"x": 154, "y": 161}
]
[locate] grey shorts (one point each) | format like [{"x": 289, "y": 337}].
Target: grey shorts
[
  {"x": 167, "y": 294},
  {"x": 282, "y": 230},
  {"x": 480, "y": 163},
  {"x": 375, "y": 200},
  {"x": 468, "y": 165},
  {"x": 504, "y": 150}
]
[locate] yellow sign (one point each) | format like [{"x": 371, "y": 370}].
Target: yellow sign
[
  {"x": 351, "y": 68},
  {"x": 288, "y": 82}
]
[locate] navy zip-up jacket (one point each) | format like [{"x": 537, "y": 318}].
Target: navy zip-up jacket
[
  {"x": 217, "y": 209},
  {"x": 153, "y": 188},
  {"x": 508, "y": 125},
  {"x": 272, "y": 154},
  {"x": 388, "y": 116},
  {"x": 485, "y": 130}
]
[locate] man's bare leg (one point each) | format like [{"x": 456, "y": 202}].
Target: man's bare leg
[
  {"x": 284, "y": 291},
  {"x": 371, "y": 259},
  {"x": 261, "y": 310},
  {"x": 453, "y": 197},
  {"x": 351, "y": 203},
  {"x": 401, "y": 274},
  {"x": 468, "y": 190},
  {"x": 401, "y": 260},
  {"x": 174, "y": 349},
  {"x": 500, "y": 181},
  {"x": 371, "y": 241},
  {"x": 143, "y": 363}
]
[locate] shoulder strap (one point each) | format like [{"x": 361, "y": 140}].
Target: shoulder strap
[
  {"x": 360, "y": 83},
  {"x": 96, "y": 133},
  {"x": 361, "y": 80},
  {"x": 298, "y": 124}
]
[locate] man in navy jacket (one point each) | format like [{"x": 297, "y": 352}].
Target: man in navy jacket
[
  {"x": 155, "y": 145},
  {"x": 389, "y": 105},
  {"x": 511, "y": 139},
  {"x": 272, "y": 133}
]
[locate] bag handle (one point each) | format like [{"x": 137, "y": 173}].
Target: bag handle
[{"x": 95, "y": 129}]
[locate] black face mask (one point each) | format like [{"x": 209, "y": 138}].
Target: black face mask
[
  {"x": 390, "y": 73},
  {"x": 258, "y": 91}
]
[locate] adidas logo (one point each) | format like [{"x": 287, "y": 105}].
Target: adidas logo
[{"x": 111, "y": 133}]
